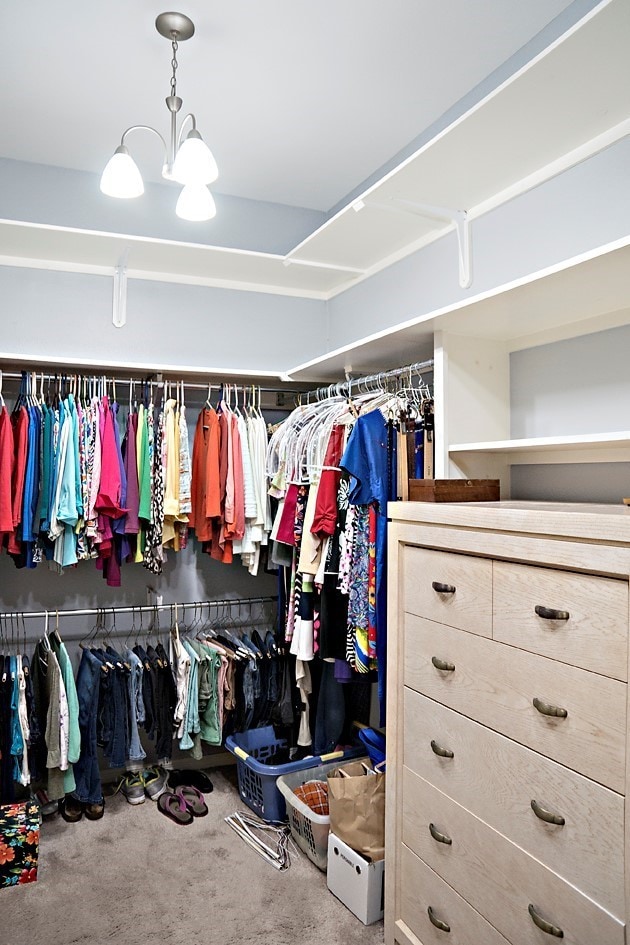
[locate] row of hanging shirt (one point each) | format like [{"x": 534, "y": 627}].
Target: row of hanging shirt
[
  {"x": 206, "y": 682},
  {"x": 230, "y": 506},
  {"x": 72, "y": 488},
  {"x": 37, "y": 745},
  {"x": 333, "y": 466}
]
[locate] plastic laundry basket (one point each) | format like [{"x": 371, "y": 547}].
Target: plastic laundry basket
[
  {"x": 257, "y": 781},
  {"x": 308, "y": 829}
]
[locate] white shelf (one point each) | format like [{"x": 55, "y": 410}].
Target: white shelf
[
  {"x": 590, "y": 292},
  {"x": 587, "y": 448},
  {"x": 508, "y": 142},
  {"x": 541, "y": 121}
]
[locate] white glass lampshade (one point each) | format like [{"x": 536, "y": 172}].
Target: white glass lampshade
[
  {"x": 121, "y": 177},
  {"x": 194, "y": 163},
  {"x": 195, "y": 203}
]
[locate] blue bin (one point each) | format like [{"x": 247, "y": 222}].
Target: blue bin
[{"x": 257, "y": 781}]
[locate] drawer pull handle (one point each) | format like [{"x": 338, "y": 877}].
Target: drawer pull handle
[
  {"x": 443, "y": 588},
  {"x": 440, "y": 837},
  {"x": 543, "y": 925},
  {"x": 548, "y": 816},
  {"x": 444, "y": 665},
  {"x": 442, "y": 752},
  {"x": 442, "y": 926},
  {"x": 545, "y": 708},
  {"x": 548, "y": 613}
]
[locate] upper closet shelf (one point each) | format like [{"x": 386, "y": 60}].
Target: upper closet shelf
[
  {"x": 71, "y": 249},
  {"x": 561, "y": 107},
  {"x": 575, "y": 448},
  {"x": 566, "y": 104},
  {"x": 588, "y": 293}
]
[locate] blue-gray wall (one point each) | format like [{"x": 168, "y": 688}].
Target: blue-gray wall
[
  {"x": 38, "y": 193},
  {"x": 69, "y": 315},
  {"x": 581, "y": 385}
]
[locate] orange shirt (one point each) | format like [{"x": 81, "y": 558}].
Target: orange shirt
[{"x": 205, "y": 494}]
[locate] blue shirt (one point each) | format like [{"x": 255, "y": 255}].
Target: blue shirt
[{"x": 371, "y": 465}]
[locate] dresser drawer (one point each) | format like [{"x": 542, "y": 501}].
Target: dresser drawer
[
  {"x": 497, "y": 779},
  {"x": 465, "y": 600},
  {"x": 422, "y": 889},
  {"x": 496, "y": 877},
  {"x": 496, "y": 684},
  {"x": 591, "y": 626}
]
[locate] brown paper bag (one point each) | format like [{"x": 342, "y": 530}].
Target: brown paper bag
[{"x": 356, "y": 798}]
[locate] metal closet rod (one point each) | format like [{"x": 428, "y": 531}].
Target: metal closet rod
[
  {"x": 139, "y": 608},
  {"x": 345, "y": 387},
  {"x": 148, "y": 379}
]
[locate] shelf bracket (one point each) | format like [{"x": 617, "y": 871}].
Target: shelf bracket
[
  {"x": 459, "y": 218},
  {"x": 119, "y": 299}
]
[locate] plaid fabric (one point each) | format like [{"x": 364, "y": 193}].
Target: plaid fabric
[{"x": 315, "y": 795}]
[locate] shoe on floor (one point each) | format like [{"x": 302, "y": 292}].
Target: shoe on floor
[
  {"x": 174, "y": 807},
  {"x": 154, "y": 782},
  {"x": 95, "y": 811},
  {"x": 47, "y": 808},
  {"x": 191, "y": 778},
  {"x": 131, "y": 785},
  {"x": 71, "y": 809}
]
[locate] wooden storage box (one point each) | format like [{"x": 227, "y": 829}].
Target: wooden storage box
[{"x": 454, "y": 490}]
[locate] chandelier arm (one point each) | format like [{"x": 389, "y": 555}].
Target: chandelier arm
[
  {"x": 181, "y": 127},
  {"x": 144, "y": 128}
]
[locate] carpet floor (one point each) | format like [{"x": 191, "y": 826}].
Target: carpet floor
[{"x": 136, "y": 877}]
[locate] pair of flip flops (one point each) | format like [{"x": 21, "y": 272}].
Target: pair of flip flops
[{"x": 183, "y": 804}]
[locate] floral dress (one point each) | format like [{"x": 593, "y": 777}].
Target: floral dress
[{"x": 19, "y": 843}]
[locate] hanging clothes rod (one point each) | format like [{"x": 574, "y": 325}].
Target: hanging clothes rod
[
  {"x": 140, "y": 608},
  {"x": 363, "y": 382},
  {"x": 149, "y": 378}
]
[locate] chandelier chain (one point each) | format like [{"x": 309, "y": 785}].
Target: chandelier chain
[{"x": 174, "y": 64}]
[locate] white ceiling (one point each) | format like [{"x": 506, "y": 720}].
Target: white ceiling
[{"x": 300, "y": 101}]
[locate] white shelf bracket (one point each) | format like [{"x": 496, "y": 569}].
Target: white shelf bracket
[
  {"x": 458, "y": 217},
  {"x": 464, "y": 245},
  {"x": 119, "y": 300}
]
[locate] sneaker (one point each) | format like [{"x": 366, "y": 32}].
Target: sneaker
[
  {"x": 132, "y": 786},
  {"x": 154, "y": 782}
]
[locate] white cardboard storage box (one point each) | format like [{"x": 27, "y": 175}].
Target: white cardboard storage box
[{"x": 357, "y": 882}]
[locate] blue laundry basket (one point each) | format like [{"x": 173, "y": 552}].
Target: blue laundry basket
[
  {"x": 374, "y": 742},
  {"x": 257, "y": 781}
]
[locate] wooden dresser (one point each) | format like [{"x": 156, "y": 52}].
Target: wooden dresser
[{"x": 507, "y": 724}]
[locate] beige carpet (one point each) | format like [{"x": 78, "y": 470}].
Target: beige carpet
[{"x": 136, "y": 878}]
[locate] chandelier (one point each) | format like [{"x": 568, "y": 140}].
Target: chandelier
[{"x": 188, "y": 162}]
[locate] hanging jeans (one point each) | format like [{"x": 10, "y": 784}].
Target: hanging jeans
[
  {"x": 331, "y": 712},
  {"x": 134, "y": 687},
  {"x": 113, "y": 728},
  {"x": 86, "y": 773}
]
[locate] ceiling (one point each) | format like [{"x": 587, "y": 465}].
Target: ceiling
[{"x": 299, "y": 101}]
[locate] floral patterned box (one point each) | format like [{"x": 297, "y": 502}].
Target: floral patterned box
[{"x": 19, "y": 843}]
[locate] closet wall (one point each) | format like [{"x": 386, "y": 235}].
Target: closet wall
[
  {"x": 579, "y": 385},
  {"x": 63, "y": 197},
  {"x": 187, "y": 576},
  {"x": 69, "y": 315}
]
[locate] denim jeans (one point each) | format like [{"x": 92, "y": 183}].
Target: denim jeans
[
  {"x": 331, "y": 712},
  {"x": 134, "y": 687},
  {"x": 113, "y": 728},
  {"x": 250, "y": 684},
  {"x": 86, "y": 773}
]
